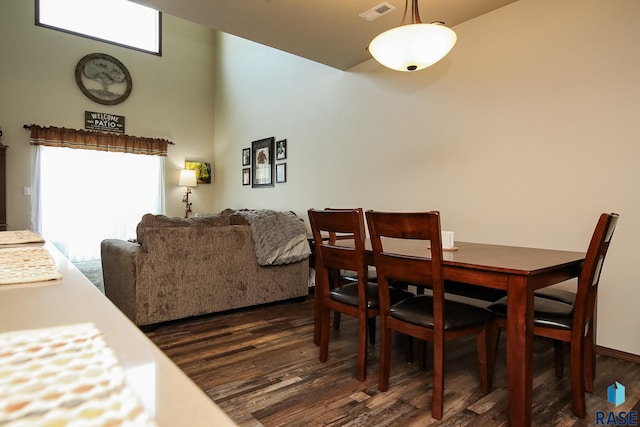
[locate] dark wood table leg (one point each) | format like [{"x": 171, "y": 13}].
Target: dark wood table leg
[{"x": 520, "y": 351}]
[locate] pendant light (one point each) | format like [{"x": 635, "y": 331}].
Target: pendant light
[{"x": 412, "y": 46}]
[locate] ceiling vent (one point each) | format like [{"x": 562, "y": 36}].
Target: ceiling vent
[{"x": 377, "y": 11}]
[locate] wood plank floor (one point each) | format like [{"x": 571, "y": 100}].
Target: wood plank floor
[{"x": 261, "y": 367}]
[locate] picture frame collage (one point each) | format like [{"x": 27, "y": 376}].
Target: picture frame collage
[{"x": 262, "y": 163}]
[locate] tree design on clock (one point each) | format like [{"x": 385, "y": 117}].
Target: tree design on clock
[{"x": 103, "y": 79}]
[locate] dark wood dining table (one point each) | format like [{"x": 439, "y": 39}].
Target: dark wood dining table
[{"x": 518, "y": 270}]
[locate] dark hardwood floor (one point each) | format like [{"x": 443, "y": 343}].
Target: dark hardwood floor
[{"x": 261, "y": 367}]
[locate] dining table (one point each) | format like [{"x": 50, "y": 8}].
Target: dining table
[{"x": 518, "y": 270}]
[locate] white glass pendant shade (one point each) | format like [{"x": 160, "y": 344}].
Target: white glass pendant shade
[{"x": 412, "y": 47}]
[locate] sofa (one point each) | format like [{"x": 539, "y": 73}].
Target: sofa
[{"x": 177, "y": 267}]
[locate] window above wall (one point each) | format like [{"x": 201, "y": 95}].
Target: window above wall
[{"x": 119, "y": 22}]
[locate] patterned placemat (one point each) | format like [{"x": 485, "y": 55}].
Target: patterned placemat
[
  {"x": 25, "y": 265},
  {"x": 19, "y": 236},
  {"x": 64, "y": 376}
]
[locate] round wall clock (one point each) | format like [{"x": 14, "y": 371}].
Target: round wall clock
[{"x": 103, "y": 79}]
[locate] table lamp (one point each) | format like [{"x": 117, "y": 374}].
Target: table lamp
[{"x": 187, "y": 179}]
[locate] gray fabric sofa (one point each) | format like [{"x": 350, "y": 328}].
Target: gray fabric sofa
[{"x": 185, "y": 267}]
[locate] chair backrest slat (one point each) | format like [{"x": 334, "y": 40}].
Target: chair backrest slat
[
  {"x": 412, "y": 269},
  {"x": 329, "y": 253},
  {"x": 343, "y": 235},
  {"x": 406, "y": 269}
]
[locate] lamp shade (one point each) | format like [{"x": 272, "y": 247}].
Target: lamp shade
[
  {"x": 412, "y": 47},
  {"x": 187, "y": 178}
]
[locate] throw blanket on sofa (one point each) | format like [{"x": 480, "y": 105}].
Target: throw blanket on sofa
[{"x": 279, "y": 237}]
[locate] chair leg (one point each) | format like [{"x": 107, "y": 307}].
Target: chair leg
[
  {"x": 385, "y": 358},
  {"x": 577, "y": 379},
  {"x": 336, "y": 320},
  {"x": 558, "y": 351},
  {"x": 438, "y": 376},
  {"x": 362, "y": 347},
  {"x": 316, "y": 313},
  {"x": 487, "y": 343},
  {"x": 493, "y": 356},
  {"x": 409, "y": 348},
  {"x": 372, "y": 330},
  {"x": 423, "y": 354},
  {"x": 324, "y": 334},
  {"x": 422, "y": 351}
]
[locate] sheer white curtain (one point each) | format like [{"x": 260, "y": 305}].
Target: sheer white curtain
[{"x": 80, "y": 197}]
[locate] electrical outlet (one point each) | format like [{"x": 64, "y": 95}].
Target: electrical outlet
[{"x": 27, "y": 191}]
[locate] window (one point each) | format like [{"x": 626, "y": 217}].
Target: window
[
  {"x": 120, "y": 22},
  {"x": 90, "y": 186},
  {"x": 83, "y": 197}
]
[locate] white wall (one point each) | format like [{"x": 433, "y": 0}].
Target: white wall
[
  {"x": 172, "y": 98},
  {"x": 523, "y": 135}
]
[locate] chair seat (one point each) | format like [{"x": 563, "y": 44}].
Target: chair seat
[
  {"x": 556, "y": 294},
  {"x": 418, "y": 310},
  {"x": 348, "y": 294},
  {"x": 547, "y": 312}
]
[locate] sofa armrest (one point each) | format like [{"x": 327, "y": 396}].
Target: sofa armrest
[{"x": 119, "y": 259}]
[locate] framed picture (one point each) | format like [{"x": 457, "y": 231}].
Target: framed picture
[
  {"x": 262, "y": 162},
  {"x": 203, "y": 171},
  {"x": 281, "y": 149},
  {"x": 246, "y": 176},
  {"x": 281, "y": 172},
  {"x": 246, "y": 156}
]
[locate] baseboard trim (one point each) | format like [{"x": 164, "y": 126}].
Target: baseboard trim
[{"x": 629, "y": 357}]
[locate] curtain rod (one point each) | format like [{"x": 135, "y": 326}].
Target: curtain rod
[{"x": 29, "y": 127}]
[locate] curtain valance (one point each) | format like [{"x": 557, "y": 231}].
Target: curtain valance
[{"x": 99, "y": 141}]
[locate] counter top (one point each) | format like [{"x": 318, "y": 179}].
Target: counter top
[{"x": 168, "y": 395}]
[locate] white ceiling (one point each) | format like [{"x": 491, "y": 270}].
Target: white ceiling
[{"x": 330, "y": 32}]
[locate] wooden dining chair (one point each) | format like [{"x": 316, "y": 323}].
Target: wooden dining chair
[
  {"x": 358, "y": 299},
  {"x": 567, "y": 317},
  {"x": 343, "y": 277},
  {"x": 428, "y": 317}
]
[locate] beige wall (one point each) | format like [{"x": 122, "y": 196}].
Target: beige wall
[
  {"x": 172, "y": 97},
  {"x": 523, "y": 135}
]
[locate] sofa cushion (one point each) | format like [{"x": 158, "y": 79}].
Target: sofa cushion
[{"x": 151, "y": 220}]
